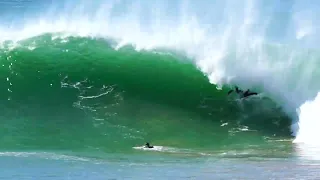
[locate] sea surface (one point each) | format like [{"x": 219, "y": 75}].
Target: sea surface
[{"x": 85, "y": 84}]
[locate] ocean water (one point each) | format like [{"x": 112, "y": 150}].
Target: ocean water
[{"x": 85, "y": 84}]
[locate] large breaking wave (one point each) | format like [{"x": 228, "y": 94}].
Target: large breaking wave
[{"x": 268, "y": 46}]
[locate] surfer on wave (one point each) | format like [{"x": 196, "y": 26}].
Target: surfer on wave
[
  {"x": 147, "y": 145},
  {"x": 242, "y": 94}
]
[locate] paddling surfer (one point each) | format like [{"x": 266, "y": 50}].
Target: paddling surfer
[{"x": 147, "y": 145}]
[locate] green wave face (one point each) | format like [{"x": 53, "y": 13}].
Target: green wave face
[{"x": 81, "y": 94}]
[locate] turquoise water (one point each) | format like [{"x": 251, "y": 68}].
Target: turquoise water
[
  {"x": 123, "y": 99},
  {"x": 84, "y": 86},
  {"x": 54, "y": 166}
]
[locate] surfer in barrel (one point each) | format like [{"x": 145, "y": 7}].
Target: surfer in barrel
[
  {"x": 147, "y": 145},
  {"x": 245, "y": 94}
]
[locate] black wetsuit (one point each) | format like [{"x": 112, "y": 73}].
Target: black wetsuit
[
  {"x": 148, "y": 145},
  {"x": 245, "y": 94}
]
